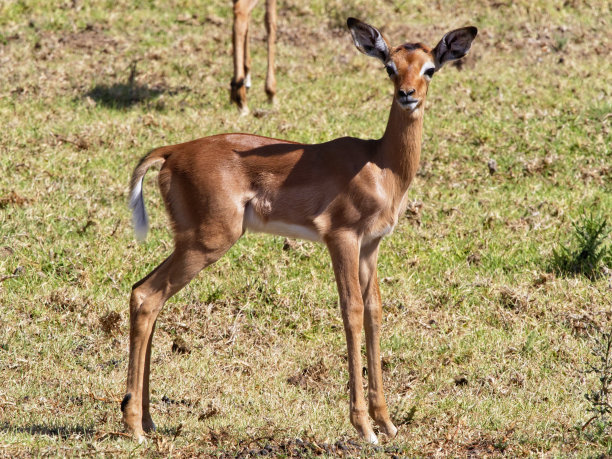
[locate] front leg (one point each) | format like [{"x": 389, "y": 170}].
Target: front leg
[
  {"x": 271, "y": 28},
  {"x": 344, "y": 251},
  {"x": 368, "y": 279}
]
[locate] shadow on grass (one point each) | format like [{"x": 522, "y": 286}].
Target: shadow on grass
[
  {"x": 123, "y": 96},
  {"x": 62, "y": 432}
]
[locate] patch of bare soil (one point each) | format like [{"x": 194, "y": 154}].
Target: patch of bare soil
[
  {"x": 92, "y": 37},
  {"x": 88, "y": 41},
  {"x": 180, "y": 346},
  {"x": 312, "y": 377},
  {"x": 12, "y": 199},
  {"x": 62, "y": 301},
  {"x": 110, "y": 323},
  {"x": 483, "y": 448},
  {"x": 513, "y": 299}
]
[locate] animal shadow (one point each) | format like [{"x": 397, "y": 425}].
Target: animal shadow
[
  {"x": 62, "y": 432},
  {"x": 123, "y": 95}
]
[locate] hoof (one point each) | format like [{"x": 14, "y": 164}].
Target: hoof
[
  {"x": 387, "y": 428},
  {"x": 149, "y": 425},
  {"x": 390, "y": 431},
  {"x": 137, "y": 434},
  {"x": 244, "y": 110},
  {"x": 368, "y": 434}
]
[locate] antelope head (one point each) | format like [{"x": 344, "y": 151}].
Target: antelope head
[{"x": 411, "y": 66}]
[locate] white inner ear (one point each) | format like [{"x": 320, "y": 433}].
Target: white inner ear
[
  {"x": 380, "y": 43},
  {"x": 426, "y": 66}
]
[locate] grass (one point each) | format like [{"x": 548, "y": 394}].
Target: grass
[
  {"x": 591, "y": 254},
  {"x": 482, "y": 346},
  {"x": 599, "y": 397}
]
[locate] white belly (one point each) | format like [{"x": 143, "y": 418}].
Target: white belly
[{"x": 254, "y": 223}]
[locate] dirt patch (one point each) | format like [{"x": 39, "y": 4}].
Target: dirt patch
[
  {"x": 12, "y": 199},
  {"x": 413, "y": 212},
  {"x": 91, "y": 38},
  {"x": 6, "y": 251},
  {"x": 110, "y": 323},
  {"x": 580, "y": 324},
  {"x": 513, "y": 299},
  {"x": 539, "y": 166},
  {"x": 180, "y": 346},
  {"x": 599, "y": 175},
  {"x": 62, "y": 301},
  {"x": 312, "y": 377},
  {"x": 484, "y": 447}
]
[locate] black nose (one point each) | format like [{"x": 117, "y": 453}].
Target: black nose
[{"x": 406, "y": 93}]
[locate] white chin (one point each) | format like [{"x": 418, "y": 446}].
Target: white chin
[{"x": 410, "y": 107}]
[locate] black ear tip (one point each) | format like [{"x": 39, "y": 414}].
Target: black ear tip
[
  {"x": 351, "y": 22},
  {"x": 473, "y": 30}
]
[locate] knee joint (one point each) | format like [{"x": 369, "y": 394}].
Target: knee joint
[
  {"x": 140, "y": 306},
  {"x": 136, "y": 299},
  {"x": 240, "y": 12}
]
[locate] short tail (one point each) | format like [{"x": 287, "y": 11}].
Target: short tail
[{"x": 139, "y": 212}]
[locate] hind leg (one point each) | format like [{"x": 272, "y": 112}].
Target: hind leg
[
  {"x": 271, "y": 29},
  {"x": 242, "y": 60},
  {"x": 148, "y": 297},
  {"x": 147, "y": 422}
]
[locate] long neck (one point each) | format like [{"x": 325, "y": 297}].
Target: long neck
[{"x": 400, "y": 146}]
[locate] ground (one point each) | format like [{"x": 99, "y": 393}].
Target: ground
[{"x": 484, "y": 345}]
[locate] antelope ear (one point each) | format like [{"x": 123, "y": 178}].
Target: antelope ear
[
  {"x": 454, "y": 45},
  {"x": 368, "y": 39}
]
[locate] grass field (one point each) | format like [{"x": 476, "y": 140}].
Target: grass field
[{"x": 484, "y": 345}]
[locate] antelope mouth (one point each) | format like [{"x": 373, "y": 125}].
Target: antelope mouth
[{"x": 408, "y": 103}]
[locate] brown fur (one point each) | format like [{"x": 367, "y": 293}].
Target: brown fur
[{"x": 347, "y": 193}]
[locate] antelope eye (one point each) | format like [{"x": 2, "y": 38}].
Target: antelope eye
[
  {"x": 390, "y": 68},
  {"x": 429, "y": 72}
]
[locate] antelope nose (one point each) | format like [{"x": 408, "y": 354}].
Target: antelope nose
[{"x": 406, "y": 92}]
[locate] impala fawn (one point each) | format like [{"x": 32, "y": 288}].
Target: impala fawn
[{"x": 347, "y": 193}]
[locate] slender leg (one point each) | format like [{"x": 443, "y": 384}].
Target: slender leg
[
  {"x": 247, "y": 56},
  {"x": 242, "y": 11},
  {"x": 271, "y": 29},
  {"x": 148, "y": 297},
  {"x": 368, "y": 280},
  {"x": 344, "y": 250},
  {"x": 147, "y": 422}
]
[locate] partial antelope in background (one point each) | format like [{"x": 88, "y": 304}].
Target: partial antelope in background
[
  {"x": 347, "y": 193},
  {"x": 242, "y": 56}
]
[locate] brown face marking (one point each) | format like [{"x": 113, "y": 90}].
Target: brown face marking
[{"x": 409, "y": 59}]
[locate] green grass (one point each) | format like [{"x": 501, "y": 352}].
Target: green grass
[
  {"x": 589, "y": 254},
  {"x": 483, "y": 348}
]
